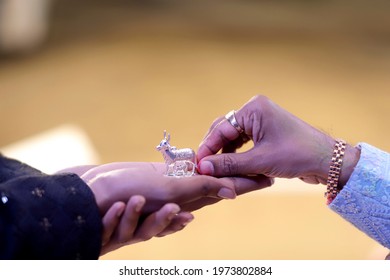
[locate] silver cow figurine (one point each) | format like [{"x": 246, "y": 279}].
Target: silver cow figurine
[{"x": 179, "y": 162}]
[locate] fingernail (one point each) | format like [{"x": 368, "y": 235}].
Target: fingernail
[
  {"x": 189, "y": 220},
  {"x": 226, "y": 193},
  {"x": 120, "y": 211},
  {"x": 206, "y": 168},
  {"x": 173, "y": 213},
  {"x": 139, "y": 206}
]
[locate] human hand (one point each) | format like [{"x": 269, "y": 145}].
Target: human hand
[
  {"x": 113, "y": 184},
  {"x": 283, "y": 146},
  {"x": 123, "y": 223},
  {"x": 118, "y": 181}
]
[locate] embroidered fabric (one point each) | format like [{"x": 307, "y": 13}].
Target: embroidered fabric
[
  {"x": 46, "y": 216},
  {"x": 365, "y": 199}
]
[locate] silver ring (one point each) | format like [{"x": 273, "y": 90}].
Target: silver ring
[{"x": 232, "y": 120}]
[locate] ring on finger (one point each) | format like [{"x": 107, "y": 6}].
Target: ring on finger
[{"x": 231, "y": 118}]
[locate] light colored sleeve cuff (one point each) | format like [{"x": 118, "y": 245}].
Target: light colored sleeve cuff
[{"x": 365, "y": 199}]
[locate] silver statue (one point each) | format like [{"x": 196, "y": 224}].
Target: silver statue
[{"x": 179, "y": 162}]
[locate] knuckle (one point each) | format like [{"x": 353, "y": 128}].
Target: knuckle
[
  {"x": 261, "y": 102},
  {"x": 261, "y": 98},
  {"x": 229, "y": 166}
]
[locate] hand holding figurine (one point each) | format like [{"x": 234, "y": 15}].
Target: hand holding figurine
[{"x": 283, "y": 145}]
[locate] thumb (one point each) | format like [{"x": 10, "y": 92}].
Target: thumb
[{"x": 227, "y": 164}]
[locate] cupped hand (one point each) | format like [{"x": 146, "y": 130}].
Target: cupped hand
[
  {"x": 124, "y": 224},
  {"x": 137, "y": 201},
  {"x": 118, "y": 181}
]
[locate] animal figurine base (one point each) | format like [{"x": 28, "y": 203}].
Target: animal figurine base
[
  {"x": 181, "y": 168},
  {"x": 179, "y": 162}
]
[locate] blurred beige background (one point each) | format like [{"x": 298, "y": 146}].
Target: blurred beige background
[{"x": 123, "y": 71}]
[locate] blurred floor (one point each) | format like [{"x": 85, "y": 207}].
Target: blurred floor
[{"x": 126, "y": 70}]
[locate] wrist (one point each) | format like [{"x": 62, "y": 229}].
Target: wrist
[
  {"x": 98, "y": 192},
  {"x": 351, "y": 158},
  {"x": 325, "y": 147}
]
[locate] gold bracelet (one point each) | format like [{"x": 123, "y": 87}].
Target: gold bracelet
[{"x": 334, "y": 170}]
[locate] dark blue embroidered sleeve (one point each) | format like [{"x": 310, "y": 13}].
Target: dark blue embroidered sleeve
[{"x": 46, "y": 216}]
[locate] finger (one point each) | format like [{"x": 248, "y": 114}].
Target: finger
[
  {"x": 230, "y": 164},
  {"x": 130, "y": 218},
  {"x": 199, "y": 203},
  {"x": 215, "y": 122},
  {"x": 178, "y": 223},
  {"x": 245, "y": 184},
  {"x": 111, "y": 220},
  {"x": 217, "y": 138},
  {"x": 156, "y": 222},
  {"x": 242, "y": 185},
  {"x": 191, "y": 188}
]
